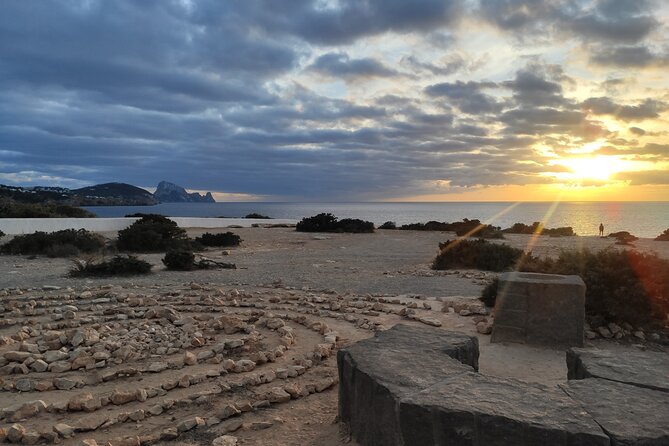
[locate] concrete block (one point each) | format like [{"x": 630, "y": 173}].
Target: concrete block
[{"x": 540, "y": 309}]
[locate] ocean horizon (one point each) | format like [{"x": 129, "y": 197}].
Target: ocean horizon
[{"x": 643, "y": 219}]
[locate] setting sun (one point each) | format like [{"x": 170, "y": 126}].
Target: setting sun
[{"x": 599, "y": 168}]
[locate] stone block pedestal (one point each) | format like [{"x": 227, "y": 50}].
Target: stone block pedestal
[{"x": 539, "y": 309}]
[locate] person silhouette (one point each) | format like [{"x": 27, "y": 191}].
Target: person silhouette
[{"x": 601, "y": 229}]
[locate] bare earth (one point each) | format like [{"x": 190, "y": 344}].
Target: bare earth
[{"x": 152, "y": 353}]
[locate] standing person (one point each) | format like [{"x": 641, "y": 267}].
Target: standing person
[{"x": 601, "y": 229}]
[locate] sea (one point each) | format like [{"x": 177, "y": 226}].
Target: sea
[{"x": 643, "y": 219}]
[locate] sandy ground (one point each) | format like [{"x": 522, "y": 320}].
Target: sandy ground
[{"x": 283, "y": 274}]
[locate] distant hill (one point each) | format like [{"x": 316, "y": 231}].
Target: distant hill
[
  {"x": 171, "y": 193},
  {"x": 109, "y": 194}
]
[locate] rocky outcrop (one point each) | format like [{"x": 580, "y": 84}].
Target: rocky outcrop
[
  {"x": 375, "y": 374},
  {"x": 630, "y": 415},
  {"x": 172, "y": 193},
  {"x": 642, "y": 369},
  {"x": 418, "y": 386}
]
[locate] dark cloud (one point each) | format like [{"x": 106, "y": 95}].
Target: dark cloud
[
  {"x": 637, "y": 131},
  {"x": 340, "y": 65},
  {"x": 647, "y": 109},
  {"x": 352, "y": 19},
  {"x": 467, "y": 96},
  {"x": 531, "y": 87},
  {"x": 637, "y": 56}
]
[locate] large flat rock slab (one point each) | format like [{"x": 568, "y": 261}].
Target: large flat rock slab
[
  {"x": 375, "y": 373},
  {"x": 630, "y": 415},
  {"x": 418, "y": 386},
  {"x": 643, "y": 369},
  {"x": 475, "y": 410}
]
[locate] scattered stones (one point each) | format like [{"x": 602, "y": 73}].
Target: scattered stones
[{"x": 225, "y": 440}]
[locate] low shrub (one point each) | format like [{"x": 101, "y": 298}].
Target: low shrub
[
  {"x": 623, "y": 237},
  {"x": 388, "y": 225},
  {"x": 258, "y": 216},
  {"x": 59, "y": 250},
  {"x": 621, "y": 285},
  {"x": 179, "y": 260},
  {"x": 116, "y": 266},
  {"x": 219, "y": 240},
  {"x": 354, "y": 225},
  {"x": 489, "y": 293},
  {"x": 664, "y": 237},
  {"x": 466, "y": 227},
  {"x": 152, "y": 233},
  {"x": 14, "y": 209},
  {"x": 52, "y": 243},
  {"x": 538, "y": 228},
  {"x": 182, "y": 260},
  {"x": 476, "y": 254},
  {"x": 329, "y": 223},
  {"x": 2, "y": 234}
]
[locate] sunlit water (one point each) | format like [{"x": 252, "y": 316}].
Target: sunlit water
[{"x": 644, "y": 219}]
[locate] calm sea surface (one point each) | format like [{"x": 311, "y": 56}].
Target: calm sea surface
[{"x": 644, "y": 219}]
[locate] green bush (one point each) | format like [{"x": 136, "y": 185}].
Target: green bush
[
  {"x": 329, "y": 223},
  {"x": 116, "y": 266},
  {"x": 52, "y": 243},
  {"x": 220, "y": 240},
  {"x": 13, "y": 209},
  {"x": 472, "y": 228},
  {"x": 354, "y": 225},
  {"x": 179, "y": 260},
  {"x": 388, "y": 225},
  {"x": 182, "y": 260},
  {"x": 664, "y": 237},
  {"x": 258, "y": 216},
  {"x": 623, "y": 237},
  {"x": 489, "y": 293},
  {"x": 621, "y": 285},
  {"x": 477, "y": 254},
  {"x": 538, "y": 228},
  {"x": 152, "y": 233}
]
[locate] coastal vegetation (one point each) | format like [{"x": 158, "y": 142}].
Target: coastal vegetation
[
  {"x": 621, "y": 284},
  {"x": 466, "y": 227},
  {"x": 664, "y": 237},
  {"x": 15, "y": 209},
  {"x": 329, "y": 223},
  {"x": 152, "y": 233},
  {"x": 223, "y": 239},
  {"x": 183, "y": 260},
  {"x": 65, "y": 243},
  {"x": 258, "y": 216},
  {"x": 623, "y": 237},
  {"x": 476, "y": 254},
  {"x": 538, "y": 228},
  {"x": 116, "y": 266},
  {"x": 388, "y": 225}
]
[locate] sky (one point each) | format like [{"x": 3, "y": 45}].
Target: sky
[{"x": 340, "y": 100}]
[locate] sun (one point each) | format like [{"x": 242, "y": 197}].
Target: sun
[{"x": 599, "y": 168}]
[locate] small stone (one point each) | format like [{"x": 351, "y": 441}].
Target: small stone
[
  {"x": 484, "y": 327},
  {"x": 15, "y": 433},
  {"x": 604, "y": 332},
  {"x": 190, "y": 358},
  {"x": 189, "y": 424},
  {"x": 64, "y": 383},
  {"x": 229, "y": 410},
  {"x": 64, "y": 430},
  {"x": 39, "y": 366},
  {"x": 137, "y": 415},
  {"x": 24, "y": 385},
  {"x": 277, "y": 395},
  {"x": 120, "y": 397},
  {"x": 156, "y": 367},
  {"x": 225, "y": 440}
]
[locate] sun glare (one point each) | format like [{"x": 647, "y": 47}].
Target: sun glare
[{"x": 599, "y": 168}]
